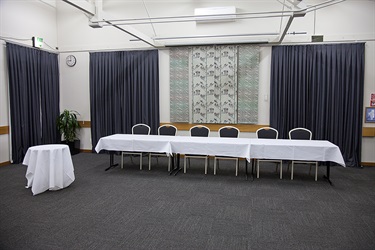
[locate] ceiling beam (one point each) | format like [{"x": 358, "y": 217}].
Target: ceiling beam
[
  {"x": 84, "y": 6},
  {"x": 97, "y": 16}
]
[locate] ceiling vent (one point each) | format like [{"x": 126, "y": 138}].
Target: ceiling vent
[{"x": 215, "y": 14}]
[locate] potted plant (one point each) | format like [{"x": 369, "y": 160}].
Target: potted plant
[{"x": 67, "y": 124}]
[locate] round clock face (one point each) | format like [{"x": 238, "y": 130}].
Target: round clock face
[{"x": 71, "y": 60}]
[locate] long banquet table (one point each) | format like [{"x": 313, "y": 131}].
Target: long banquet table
[{"x": 249, "y": 148}]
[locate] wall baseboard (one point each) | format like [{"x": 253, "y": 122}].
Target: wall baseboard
[
  {"x": 4, "y": 163},
  {"x": 85, "y": 150},
  {"x": 368, "y": 164}
]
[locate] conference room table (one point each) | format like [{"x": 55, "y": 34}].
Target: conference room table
[
  {"x": 248, "y": 148},
  {"x": 49, "y": 167}
]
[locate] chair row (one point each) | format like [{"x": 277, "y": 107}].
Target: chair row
[
  {"x": 225, "y": 131},
  {"x": 294, "y": 134}
]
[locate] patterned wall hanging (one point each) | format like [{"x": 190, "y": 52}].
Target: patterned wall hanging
[
  {"x": 248, "y": 84},
  {"x": 214, "y": 84},
  {"x": 179, "y": 85}
]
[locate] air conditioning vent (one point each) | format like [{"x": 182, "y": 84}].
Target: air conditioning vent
[{"x": 215, "y": 14}]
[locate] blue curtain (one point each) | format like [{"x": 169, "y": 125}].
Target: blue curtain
[
  {"x": 34, "y": 98},
  {"x": 124, "y": 91},
  {"x": 320, "y": 87}
]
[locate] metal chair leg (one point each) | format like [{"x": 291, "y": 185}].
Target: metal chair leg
[
  {"x": 122, "y": 159},
  {"x": 215, "y": 160},
  {"x": 291, "y": 172},
  {"x": 185, "y": 165},
  {"x": 281, "y": 170}
]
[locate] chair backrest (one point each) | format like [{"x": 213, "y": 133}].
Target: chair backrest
[
  {"x": 229, "y": 131},
  {"x": 300, "y": 134},
  {"x": 199, "y": 130},
  {"x": 141, "y": 129},
  {"x": 267, "y": 133},
  {"x": 167, "y": 129}
]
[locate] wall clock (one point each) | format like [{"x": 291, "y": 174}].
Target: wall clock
[{"x": 71, "y": 60}]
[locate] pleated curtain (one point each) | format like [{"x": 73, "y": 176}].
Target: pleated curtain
[
  {"x": 34, "y": 98},
  {"x": 124, "y": 91},
  {"x": 320, "y": 87}
]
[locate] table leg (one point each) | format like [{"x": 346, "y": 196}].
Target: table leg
[
  {"x": 252, "y": 168},
  {"x": 246, "y": 169},
  {"x": 177, "y": 167},
  {"x": 111, "y": 161},
  {"x": 328, "y": 173}
]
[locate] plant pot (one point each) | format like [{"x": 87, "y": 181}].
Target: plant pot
[{"x": 74, "y": 146}]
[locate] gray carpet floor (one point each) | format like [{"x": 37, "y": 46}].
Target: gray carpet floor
[{"x": 132, "y": 209}]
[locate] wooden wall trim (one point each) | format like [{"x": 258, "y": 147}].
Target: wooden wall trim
[
  {"x": 216, "y": 127},
  {"x": 4, "y": 130},
  {"x": 368, "y": 131},
  {"x": 85, "y": 124},
  {"x": 4, "y": 163},
  {"x": 368, "y": 164}
]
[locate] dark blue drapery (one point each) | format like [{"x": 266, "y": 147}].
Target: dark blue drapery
[
  {"x": 320, "y": 87},
  {"x": 124, "y": 91},
  {"x": 34, "y": 98}
]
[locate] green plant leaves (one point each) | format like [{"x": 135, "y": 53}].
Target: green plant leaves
[{"x": 67, "y": 124}]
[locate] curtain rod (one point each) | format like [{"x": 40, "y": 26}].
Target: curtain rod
[{"x": 28, "y": 46}]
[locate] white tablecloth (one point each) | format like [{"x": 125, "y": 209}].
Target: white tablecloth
[
  {"x": 135, "y": 143},
  {"x": 49, "y": 167},
  {"x": 223, "y": 146},
  {"x": 312, "y": 150},
  {"x": 304, "y": 150}
]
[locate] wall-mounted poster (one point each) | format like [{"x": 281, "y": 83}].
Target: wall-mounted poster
[
  {"x": 370, "y": 114},
  {"x": 372, "y": 100}
]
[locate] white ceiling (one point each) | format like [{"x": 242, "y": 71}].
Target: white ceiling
[{"x": 172, "y": 22}]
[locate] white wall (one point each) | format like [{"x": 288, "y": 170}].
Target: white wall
[{"x": 68, "y": 30}]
